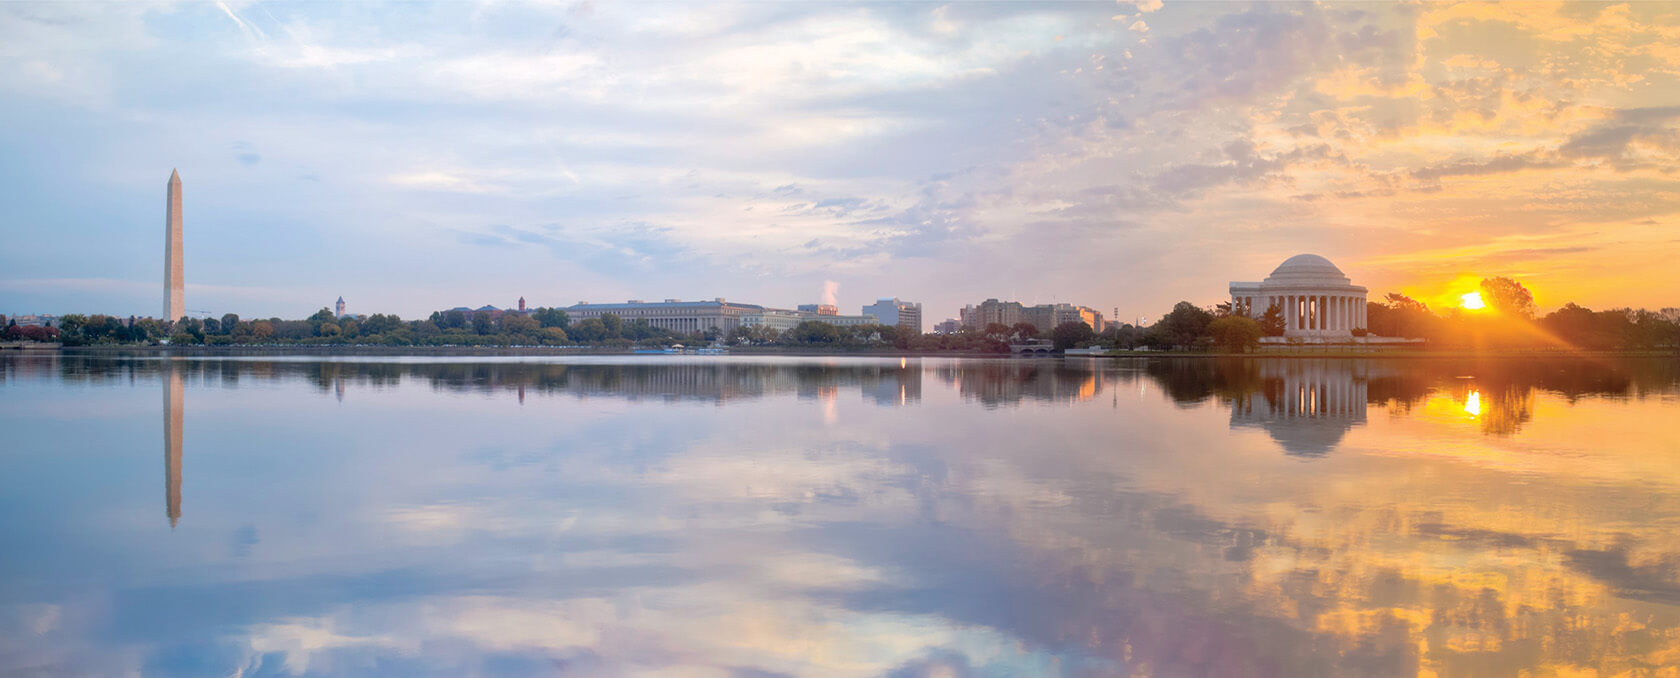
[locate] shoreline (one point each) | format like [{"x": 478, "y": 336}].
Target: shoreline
[{"x": 331, "y": 350}]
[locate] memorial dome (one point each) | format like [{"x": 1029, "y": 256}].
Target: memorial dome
[{"x": 1308, "y": 267}]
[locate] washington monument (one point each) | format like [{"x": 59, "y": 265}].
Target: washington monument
[{"x": 174, "y": 292}]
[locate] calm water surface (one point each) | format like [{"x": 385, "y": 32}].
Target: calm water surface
[{"x": 838, "y": 517}]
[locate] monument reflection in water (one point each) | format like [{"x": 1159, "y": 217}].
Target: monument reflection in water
[
  {"x": 842, "y": 517},
  {"x": 1306, "y": 406},
  {"x": 174, "y": 396}
]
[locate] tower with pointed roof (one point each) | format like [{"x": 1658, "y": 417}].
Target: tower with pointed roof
[{"x": 339, "y": 308}]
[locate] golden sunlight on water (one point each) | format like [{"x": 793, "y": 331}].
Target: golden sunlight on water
[{"x": 1266, "y": 518}]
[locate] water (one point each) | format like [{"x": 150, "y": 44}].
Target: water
[{"x": 850, "y": 516}]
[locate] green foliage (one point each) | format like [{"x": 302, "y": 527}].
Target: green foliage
[
  {"x": 588, "y": 330},
  {"x": 551, "y": 317},
  {"x": 812, "y": 332},
  {"x": 518, "y": 323},
  {"x": 1182, "y": 326},
  {"x": 614, "y": 325},
  {"x": 1235, "y": 333},
  {"x": 1271, "y": 322},
  {"x": 1070, "y": 334}
]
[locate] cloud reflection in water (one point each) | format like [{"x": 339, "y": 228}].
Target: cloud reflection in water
[{"x": 843, "y": 517}]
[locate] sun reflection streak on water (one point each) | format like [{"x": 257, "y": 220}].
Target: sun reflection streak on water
[{"x": 1380, "y": 518}]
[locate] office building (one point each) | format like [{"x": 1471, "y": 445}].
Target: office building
[{"x": 894, "y": 311}]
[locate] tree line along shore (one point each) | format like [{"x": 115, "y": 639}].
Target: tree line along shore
[{"x": 1508, "y": 323}]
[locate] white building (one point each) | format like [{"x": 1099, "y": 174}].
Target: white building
[
  {"x": 893, "y": 311},
  {"x": 1319, "y": 303},
  {"x": 783, "y": 320}
]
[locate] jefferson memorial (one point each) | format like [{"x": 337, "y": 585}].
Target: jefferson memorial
[{"x": 1318, "y": 301}]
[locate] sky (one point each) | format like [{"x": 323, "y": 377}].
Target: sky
[{"x": 412, "y": 157}]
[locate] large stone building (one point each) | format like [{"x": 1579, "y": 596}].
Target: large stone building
[
  {"x": 672, "y": 314},
  {"x": 894, "y": 311},
  {"x": 991, "y": 311},
  {"x": 699, "y": 316},
  {"x": 1318, "y": 301},
  {"x": 782, "y": 320},
  {"x": 1045, "y": 317}
]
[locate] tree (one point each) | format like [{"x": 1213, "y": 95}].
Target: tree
[
  {"x": 614, "y": 325},
  {"x": 262, "y": 329},
  {"x": 553, "y": 335},
  {"x": 1271, "y": 322},
  {"x": 380, "y": 323},
  {"x": 230, "y": 322},
  {"x": 453, "y": 320},
  {"x": 1236, "y": 333},
  {"x": 639, "y": 329},
  {"x": 1400, "y": 316},
  {"x": 324, "y": 315},
  {"x": 1401, "y": 302},
  {"x": 146, "y": 329},
  {"x": 71, "y": 323},
  {"x": 588, "y": 330},
  {"x": 551, "y": 317},
  {"x": 212, "y": 326},
  {"x": 1508, "y": 296},
  {"x": 1024, "y": 331},
  {"x": 330, "y": 330},
  {"x": 481, "y": 322},
  {"x": 1070, "y": 334},
  {"x": 812, "y": 332},
  {"x": 514, "y": 323},
  {"x": 1184, "y": 324}
]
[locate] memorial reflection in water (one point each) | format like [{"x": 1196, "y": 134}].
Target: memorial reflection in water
[{"x": 843, "y": 517}]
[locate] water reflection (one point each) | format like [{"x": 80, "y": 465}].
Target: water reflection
[
  {"x": 174, "y": 396},
  {"x": 843, "y": 517},
  {"x": 1306, "y": 406}
]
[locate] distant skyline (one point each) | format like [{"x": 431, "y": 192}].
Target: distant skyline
[{"x": 418, "y": 157}]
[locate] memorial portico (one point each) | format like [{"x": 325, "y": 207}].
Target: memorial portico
[{"x": 1318, "y": 302}]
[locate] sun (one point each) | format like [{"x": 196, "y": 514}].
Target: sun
[{"x": 1472, "y": 301}]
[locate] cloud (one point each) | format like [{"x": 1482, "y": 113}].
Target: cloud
[
  {"x": 1245, "y": 165},
  {"x": 776, "y": 142},
  {"x": 1496, "y": 165},
  {"x": 1147, "y": 6}
]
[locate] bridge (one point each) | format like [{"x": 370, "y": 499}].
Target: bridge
[{"x": 1032, "y": 348}]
